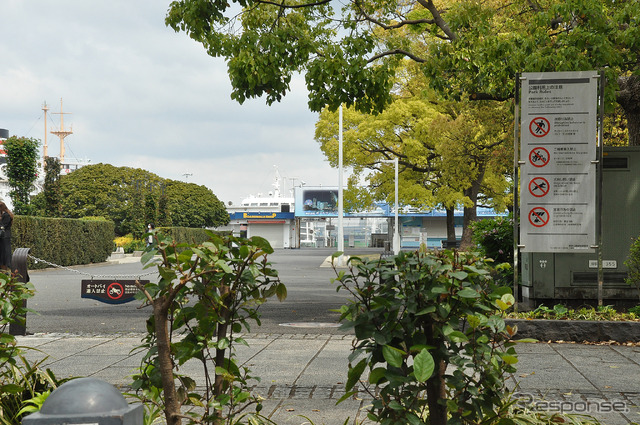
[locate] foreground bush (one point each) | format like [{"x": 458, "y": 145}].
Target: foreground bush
[
  {"x": 413, "y": 316},
  {"x": 21, "y": 381},
  {"x": 206, "y": 295}
]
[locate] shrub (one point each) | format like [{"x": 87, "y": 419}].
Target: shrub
[
  {"x": 208, "y": 293},
  {"x": 406, "y": 312},
  {"x": 20, "y": 380},
  {"x": 134, "y": 245},
  {"x": 121, "y": 241},
  {"x": 495, "y": 238},
  {"x": 63, "y": 241},
  {"x": 633, "y": 265}
]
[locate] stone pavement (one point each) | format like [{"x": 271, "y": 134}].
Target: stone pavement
[{"x": 304, "y": 374}]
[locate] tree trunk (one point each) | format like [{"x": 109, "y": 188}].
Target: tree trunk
[
  {"x": 222, "y": 329},
  {"x": 436, "y": 390},
  {"x": 451, "y": 225},
  {"x": 629, "y": 98},
  {"x": 171, "y": 402},
  {"x": 469, "y": 215}
]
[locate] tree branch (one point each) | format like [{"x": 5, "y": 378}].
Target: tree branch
[
  {"x": 487, "y": 96},
  {"x": 397, "y": 52},
  {"x": 294, "y": 6},
  {"x": 438, "y": 19}
]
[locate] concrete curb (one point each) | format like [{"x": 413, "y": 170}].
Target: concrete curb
[{"x": 577, "y": 330}]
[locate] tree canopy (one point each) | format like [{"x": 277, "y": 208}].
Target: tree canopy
[
  {"x": 450, "y": 154},
  {"x": 111, "y": 192},
  {"x": 467, "y": 49},
  {"x": 21, "y": 170}
]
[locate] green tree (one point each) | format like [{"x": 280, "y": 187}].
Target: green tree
[
  {"x": 191, "y": 205},
  {"x": 103, "y": 190},
  {"x": 51, "y": 190},
  {"x": 21, "y": 171},
  {"x": 450, "y": 154},
  {"x": 135, "y": 216},
  {"x": 467, "y": 48},
  {"x": 150, "y": 211},
  {"x": 163, "y": 217}
]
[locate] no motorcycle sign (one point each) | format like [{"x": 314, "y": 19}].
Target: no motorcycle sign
[{"x": 110, "y": 291}]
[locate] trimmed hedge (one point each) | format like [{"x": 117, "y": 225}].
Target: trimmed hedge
[
  {"x": 63, "y": 241},
  {"x": 186, "y": 234}
]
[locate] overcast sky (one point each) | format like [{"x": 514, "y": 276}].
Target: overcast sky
[{"x": 143, "y": 96}]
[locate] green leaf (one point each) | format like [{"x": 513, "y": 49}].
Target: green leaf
[
  {"x": 508, "y": 359},
  {"x": 396, "y": 406},
  {"x": 148, "y": 256},
  {"x": 474, "y": 321},
  {"x": 508, "y": 299},
  {"x": 423, "y": 366},
  {"x": 426, "y": 310},
  {"x": 222, "y": 344},
  {"x": 468, "y": 293},
  {"x": 459, "y": 275},
  {"x": 11, "y": 389},
  {"x": 354, "y": 374},
  {"x": 281, "y": 292},
  {"x": 526, "y": 340},
  {"x": 414, "y": 419},
  {"x": 502, "y": 305},
  {"x": 376, "y": 375},
  {"x": 457, "y": 336},
  {"x": 346, "y": 396},
  {"x": 393, "y": 355}
]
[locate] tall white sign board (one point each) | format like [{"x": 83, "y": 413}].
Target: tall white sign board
[{"x": 557, "y": 153}]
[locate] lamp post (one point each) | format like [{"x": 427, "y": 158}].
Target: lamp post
[
  {"x": 396, "y": 234},
  {"x": 340, "y": 192}
]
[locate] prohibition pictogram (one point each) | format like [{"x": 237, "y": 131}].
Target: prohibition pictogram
[
  {"x": 539, "y": 157},
  {"x": 539, "y": 187},
  {"x": 539, "y": 126},
  {"x": 115, "y": 291},
  {"x": 539, "y": 217}
]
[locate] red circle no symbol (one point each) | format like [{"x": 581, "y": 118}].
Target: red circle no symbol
[
  {"x": 539, "y": 217},
  {"x": 539, "y": 187},
  {"x": 115, "y": 291},
  {"x": 539, "y": 157},
  {"x": 539, "y": 127}
]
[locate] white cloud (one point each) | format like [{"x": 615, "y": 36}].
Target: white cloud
[{"x": 141, "y": 95}]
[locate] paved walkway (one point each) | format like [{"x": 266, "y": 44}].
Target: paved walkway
[{"x": 305, "y": 374}]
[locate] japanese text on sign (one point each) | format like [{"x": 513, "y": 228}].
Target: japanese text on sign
[{"x": 558, "y": 145}]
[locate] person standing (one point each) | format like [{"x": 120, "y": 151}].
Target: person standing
[
  {"x": 150, "y": 229},
  {"x": 6, "y": 219}
]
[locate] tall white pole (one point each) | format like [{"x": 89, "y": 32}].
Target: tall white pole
[
  {"x": 340, "y": 191},
  {"x": 396, "y": 233}
]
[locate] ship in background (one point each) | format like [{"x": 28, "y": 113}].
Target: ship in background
[{"x": 66, "y": 165}]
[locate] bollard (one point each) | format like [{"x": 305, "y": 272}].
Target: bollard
[
  {"x": 86, "y": 401},
  {"x": 19, "y": 265}
]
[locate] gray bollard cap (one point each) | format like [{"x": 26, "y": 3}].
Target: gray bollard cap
[{"x": 83, "y": 401}]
